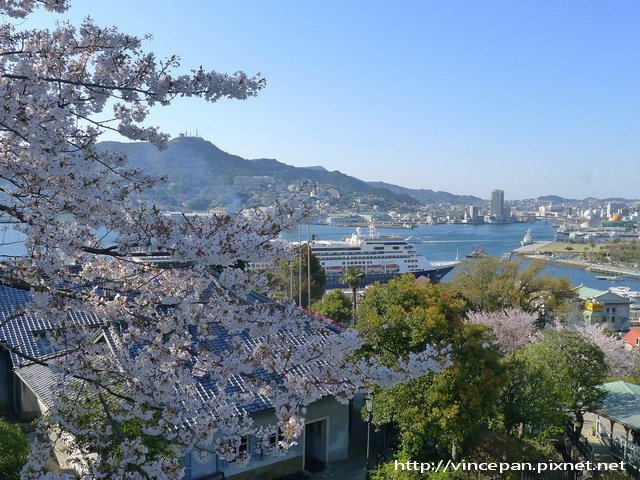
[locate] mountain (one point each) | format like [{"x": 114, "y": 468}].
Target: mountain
[
  {"x": 557, "y": 199},
  {"x": 320, "y": 168},
  {"x": 200, "y": 175},
  {"x": 429, "y": 196}
]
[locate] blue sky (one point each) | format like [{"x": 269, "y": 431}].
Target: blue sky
[{"x": 534, "y": 97}]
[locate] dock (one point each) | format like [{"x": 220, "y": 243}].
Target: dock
[
  {"x": 614, "y": 272},
  {"x": 530, "y": 249}
]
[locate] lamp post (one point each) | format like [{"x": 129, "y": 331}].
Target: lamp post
[{"x": 369, "y": 407}]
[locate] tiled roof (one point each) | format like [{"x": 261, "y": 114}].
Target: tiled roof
[
  {"x": 586, "y": 293},
  {"x": 246, "y": 399},
  {"x": 622, "y": 403},
  {"x": 40, "y": 380},
  {"x": 17, "y": 329},
  {"x": 632, "y": 336}
]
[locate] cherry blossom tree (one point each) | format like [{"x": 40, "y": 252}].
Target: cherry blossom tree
[
  {"x": 621, "y": 361},
  {"x": 79, "y": 209},
  {"x": 513, "y": 328}
]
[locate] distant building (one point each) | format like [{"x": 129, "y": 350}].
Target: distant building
[
  {"x": 613, "y": 208},
  {"x": 497, "y": 205},
  {"x": 474, "y": 215},
  {"x": 245, "y": 181}
]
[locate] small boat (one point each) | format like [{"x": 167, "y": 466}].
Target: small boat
[
  {"x": 527, "y": 239},
  {"x": 393, "y": 268},
  {"x": 375, "y": 268},
  {"x": 413, "y": 239},
  {"x": 477, "y": 252},
  {"x": 334, "y": 269},
  {"x": 625, "y": 292}
]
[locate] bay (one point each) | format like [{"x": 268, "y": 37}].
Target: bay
[
  {"x": 445, "y": 242},
  {"x": 439, "y": 242}
]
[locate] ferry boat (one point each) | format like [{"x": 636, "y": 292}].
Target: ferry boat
[{"x": 380, "y": 257}]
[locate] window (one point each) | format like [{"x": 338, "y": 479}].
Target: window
[
  {"x": 275, "y": 438},
  {"x": 613, "y": 310},
  {"x": 243, "y": 448},
  {"x": 43, "y": 344}
]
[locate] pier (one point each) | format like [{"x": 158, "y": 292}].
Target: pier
[
  {"x": 614, "y": 272},
  {"x": 530, "y": 249}
]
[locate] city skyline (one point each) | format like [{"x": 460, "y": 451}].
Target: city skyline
[{"x": 459, "y": 97}]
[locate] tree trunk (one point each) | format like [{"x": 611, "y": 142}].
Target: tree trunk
[{"x": 578, "y": 425}]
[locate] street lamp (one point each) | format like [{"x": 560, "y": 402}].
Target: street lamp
[{"x": 369, "y": 407}]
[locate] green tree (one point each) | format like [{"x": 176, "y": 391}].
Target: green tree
[
  {"x": 574, "y": 367},
  {"x": 99, "y": 414},
  {"x": 334, "y": 304},
  {"x": 389, "y": 471},
  {"x": 529, "y": 398},
  {"x": 285, "y": 276},
  {"x": 352, "y": 277},
  {"x": 400, "y": 318},
  {"x": 14, "y": 450},
  {"x": 490, "y": 284}
]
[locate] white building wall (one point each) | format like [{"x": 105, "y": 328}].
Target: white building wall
[{"x": 337, "y": 416}]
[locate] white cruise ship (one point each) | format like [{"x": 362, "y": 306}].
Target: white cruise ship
[{"x": 381, "y": 257}]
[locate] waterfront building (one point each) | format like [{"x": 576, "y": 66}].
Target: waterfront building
[
  {"x": 474, "y": 215},
  {"x": 497, "y": 205}
]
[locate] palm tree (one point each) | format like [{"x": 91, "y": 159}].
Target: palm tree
[{"x": 352, "y": 277}]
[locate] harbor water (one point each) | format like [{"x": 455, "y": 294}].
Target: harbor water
[
  {"x": 444, "y": 242},
  {"x": 439, "y": 242}
]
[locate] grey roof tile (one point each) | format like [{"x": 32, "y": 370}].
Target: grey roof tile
[
  {"x": 22, "y": 331},
  {"x": 19, "y": 331}
]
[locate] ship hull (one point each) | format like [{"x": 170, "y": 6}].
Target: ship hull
[{"x": 435, "y": 275}]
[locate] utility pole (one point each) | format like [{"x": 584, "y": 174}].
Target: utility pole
[
  {"x": 308, "y": 268},
  {"x": 299, "y": 266},
  {"x": 290, "y": 268}
]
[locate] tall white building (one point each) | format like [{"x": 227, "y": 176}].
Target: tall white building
[{"x": 497, "y": 205}]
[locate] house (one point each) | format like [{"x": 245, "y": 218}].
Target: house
[
  {"x": 632, "y": 338},
  {"x": 26, "y": 385},
  {"x": 27, "y": 334},
  {"x": 605, "y": 307}
]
